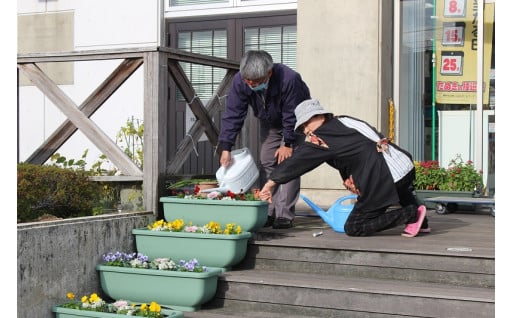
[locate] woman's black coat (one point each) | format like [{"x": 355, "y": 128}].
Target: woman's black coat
[{"x": 351, "y": 153}]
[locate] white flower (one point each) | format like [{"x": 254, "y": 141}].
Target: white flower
[
  {"x": 163, "y": 264},
  {"x": 204, "y": 229},
  {"x": 138, "y": 263}
]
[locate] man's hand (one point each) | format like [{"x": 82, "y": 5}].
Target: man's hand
[
  {"x": 225, "y": 158},
  {"x": 283, "y": 153},
  {"x": 266, "y": 192}
]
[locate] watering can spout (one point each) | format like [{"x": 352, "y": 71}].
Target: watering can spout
[
  {"x": 315, "y": 207},
  {"x": 337, "y": 214}
]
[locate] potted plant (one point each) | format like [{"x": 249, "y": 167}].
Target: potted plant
[
  {"x": 244, "y": 209},
  {"x": 217, "y": 246},
  {"x": 95, "y": 306},
  {"x": 135, "y": 277},
  {"x": 460, "y": 179}
]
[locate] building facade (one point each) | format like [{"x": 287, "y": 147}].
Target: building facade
[{"x": 356, "y": 57}]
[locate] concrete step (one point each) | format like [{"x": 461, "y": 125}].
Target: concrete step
[{"x": 256, "y": 293}]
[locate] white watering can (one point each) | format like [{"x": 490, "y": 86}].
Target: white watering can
[
  {"x": 337, "y": 214},
  {"x": 239, "y": 176}
]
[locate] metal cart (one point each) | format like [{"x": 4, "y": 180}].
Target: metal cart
[{"x": 446, "y": 204}]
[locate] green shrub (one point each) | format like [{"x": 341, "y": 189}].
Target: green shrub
[{"x": 53, "y": 190}]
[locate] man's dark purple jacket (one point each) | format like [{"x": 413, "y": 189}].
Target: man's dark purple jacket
[{"x": 285, "y": 91}]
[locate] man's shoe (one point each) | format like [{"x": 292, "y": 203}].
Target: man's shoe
[
  {"x": 270, "y": 221},
  {"x": 282, "y": 223},
  {"x": 412, "y": 229}
]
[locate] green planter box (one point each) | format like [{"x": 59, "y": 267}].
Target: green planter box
[
  {"x": 250, "y": 215},
  {"x": 423, "y": 194},
  {"x": 184, "y": 291},
  {"x": 75, "y": 313},
  {"x": 215, "y": 250}
]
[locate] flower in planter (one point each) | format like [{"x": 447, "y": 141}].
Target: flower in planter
[
  {"x": 217, "y": 195},
  {"x": 178, "y": 225},
  {"x": 190, "y": 189},
  {"x": 462, "y": 176},
  {"x": 139, "y": 260},
  {"x": 121, "y": 307},
  {"x": 459, "y": 176},
  {"x": 429, "y": 175},
  {"x": 125, "y": 259}
]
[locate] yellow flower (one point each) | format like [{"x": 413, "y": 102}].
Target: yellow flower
[
  {"x": 70, "y": 296},
  {"x": 214, "y": 227},
  {"x": 157, "y": 224},
  {"x": 154, "y": 307},
  {"x": 84, "y": 299},
  {"x": 143, "y": 306},
  {"x": 94, "y": 298},
  {"x": 232, "y": 228},
  {"x": 177, "y": 225}
]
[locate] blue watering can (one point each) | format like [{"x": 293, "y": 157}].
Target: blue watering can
[{"x": 337, "y": 214}]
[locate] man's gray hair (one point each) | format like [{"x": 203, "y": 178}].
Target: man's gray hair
[{"x": 255, "y": 64}]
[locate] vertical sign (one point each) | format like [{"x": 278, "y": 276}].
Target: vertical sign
[{"x": 456, "y": 45}]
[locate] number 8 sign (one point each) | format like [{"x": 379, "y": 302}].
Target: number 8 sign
[
  {"x": 454, "y": 8},
  {"x": 451, "y": 62}
]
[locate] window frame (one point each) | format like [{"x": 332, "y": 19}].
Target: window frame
[{"x": 230, "y": 7}]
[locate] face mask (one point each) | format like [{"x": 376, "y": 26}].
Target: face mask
[{"x": 260, "y": 87}]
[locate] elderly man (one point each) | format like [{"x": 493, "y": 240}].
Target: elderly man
[{"x": 273, "y": 90}]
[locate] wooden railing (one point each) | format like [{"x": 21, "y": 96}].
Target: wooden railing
[{"x": 161, "y": 65}]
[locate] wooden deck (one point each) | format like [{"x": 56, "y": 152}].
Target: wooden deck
[{"x": 471, "y": 233}]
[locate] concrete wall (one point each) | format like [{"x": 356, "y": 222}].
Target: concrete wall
[
  {"x": 345, "y": 55},
  {"x": 57, "y": 257}
]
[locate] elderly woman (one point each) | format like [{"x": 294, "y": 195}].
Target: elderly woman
[{"x": 378, "y": 171}]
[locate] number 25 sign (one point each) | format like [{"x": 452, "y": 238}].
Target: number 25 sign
[{"x": 451, "y": 62}]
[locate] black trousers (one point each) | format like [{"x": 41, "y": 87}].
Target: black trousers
[{"x": 365, "y": 223}]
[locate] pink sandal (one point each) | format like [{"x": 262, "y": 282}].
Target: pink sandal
[{"x": 412, "y": 229}]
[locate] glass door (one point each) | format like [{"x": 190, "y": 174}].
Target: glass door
[{"x": 446, "y": 82}]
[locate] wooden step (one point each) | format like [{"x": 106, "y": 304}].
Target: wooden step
[
  {"x": 291, "y": 273},
  {"x": 320, "y": 294}
]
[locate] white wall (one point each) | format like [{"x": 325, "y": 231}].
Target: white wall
[
  {"x": 105, "y": 24},
  {"x": 116, "y": 23},
  {"x": 97, "y": 25}
]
